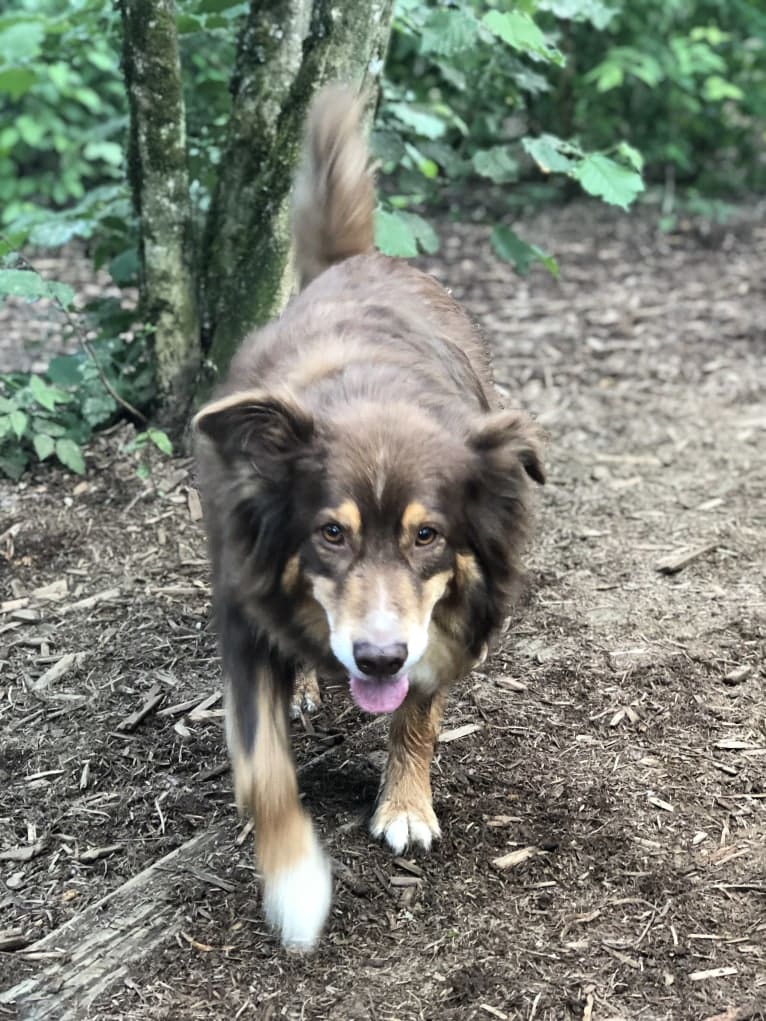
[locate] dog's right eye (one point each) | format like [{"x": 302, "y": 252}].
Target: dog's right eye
[{"x": 332, "y": 533}]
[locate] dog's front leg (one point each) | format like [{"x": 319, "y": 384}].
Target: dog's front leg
[
  {"x": 296, "y": 873},
  {"x": 404, "y": 814}
]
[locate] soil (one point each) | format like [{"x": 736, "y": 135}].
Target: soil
[{"x": 619, "y": 738}]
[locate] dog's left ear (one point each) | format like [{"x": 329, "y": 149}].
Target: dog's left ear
[
  {"x": 257, "y": 426},
  {"x": 507, "y": 440}
]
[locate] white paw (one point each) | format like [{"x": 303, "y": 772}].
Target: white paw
[
  {"x": 296, "y": 901},
  {"x": 401, "y": 830}
]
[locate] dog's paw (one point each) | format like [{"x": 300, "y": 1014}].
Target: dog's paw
[
  {"x": 296, "y": 900},
  {"x": 307, "y": 697},
  {"x": 405, "y": 826}
]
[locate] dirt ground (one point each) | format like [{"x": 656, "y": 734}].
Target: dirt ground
[{"x": 617, "y": 742}]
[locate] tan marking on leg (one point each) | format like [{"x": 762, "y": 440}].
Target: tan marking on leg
[
  {"x": 307, "y": 695},
  {"x": 405, "y": 814}
]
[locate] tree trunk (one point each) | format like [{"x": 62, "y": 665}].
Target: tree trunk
[
  {"x": 159, "y": 180},
  {"x": 288, "y": 48}
]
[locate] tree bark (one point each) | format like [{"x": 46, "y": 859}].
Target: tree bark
[
  {"x": 159, "y": 179},
  {"x": 288, "y": 48}
]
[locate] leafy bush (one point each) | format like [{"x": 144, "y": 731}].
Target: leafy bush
[
  {"x": 64, "y": 110},
  {"x": 684, "y": 81},
  {"x": 55, "y": 413},
  {"x": 455, "y": 116}
]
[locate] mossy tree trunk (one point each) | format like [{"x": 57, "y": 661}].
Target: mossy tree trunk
[
  {"x": 288, "y": 48},
  {"x": 241, "y": 274},
  {"x": 159, "y": 179}
]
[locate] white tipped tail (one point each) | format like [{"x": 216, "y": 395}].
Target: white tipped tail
[{"x": 334, "y": 191}]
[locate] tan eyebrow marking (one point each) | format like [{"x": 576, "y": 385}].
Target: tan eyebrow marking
[
  {"x": 346, "y": 514},
  {"x": 415, "y": 514}
]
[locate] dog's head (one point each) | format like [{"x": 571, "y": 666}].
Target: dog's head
[{"x": 404, "y": 533}]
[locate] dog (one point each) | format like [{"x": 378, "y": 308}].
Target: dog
[{"x": 366, "y": 502}]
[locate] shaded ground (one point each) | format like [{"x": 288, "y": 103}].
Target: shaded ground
[{"x": 621, "y": 729}]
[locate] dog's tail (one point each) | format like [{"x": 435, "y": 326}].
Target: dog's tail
[{"x": 334, "y": 190}]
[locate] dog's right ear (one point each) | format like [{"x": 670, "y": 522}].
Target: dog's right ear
[{"x": 255, "y": 426}]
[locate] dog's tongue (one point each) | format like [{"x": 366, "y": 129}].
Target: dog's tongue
[{"x": 379, "y": 696}]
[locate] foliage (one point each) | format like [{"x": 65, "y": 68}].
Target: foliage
[
  {"x": 461, "y": 81},
  {"x": 684, "y": 81},
  {"x": 63, "y": 103},
  {"x": 54, "y": 414},
  {"x": 479, "y": 99}
]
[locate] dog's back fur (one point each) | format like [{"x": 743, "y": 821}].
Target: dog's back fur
[{"x": 359, "y": 480}]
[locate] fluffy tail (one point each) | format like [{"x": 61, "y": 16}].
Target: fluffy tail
[{"x": 334, "y": 190}]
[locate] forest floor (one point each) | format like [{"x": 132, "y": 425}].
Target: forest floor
[{"x": 617, "y": 742}]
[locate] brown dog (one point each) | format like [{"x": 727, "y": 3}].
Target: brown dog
[{"x": 366, "y": 503}]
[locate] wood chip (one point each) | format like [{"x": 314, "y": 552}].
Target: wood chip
[
  {"x": 458, "y": 732},
  {"x": 13, "y": 939},
  {"x": 493, "y": 1011},
  {"x": 681, "y": 558},
  {"x": 51, "y": 593},
  {"x": 405, "y": 881},
  {"x": 70, "y": 661},
  {"x": 202, "y": 711},
  {"x": 659, "y": 803},
  {"x": 703, "y": 976},
  {"x": 14, "y": 604},
  {"x": 734, "y": 744},
  {"x": 25, "y": 852},
  {"x": 744, "y": 1013},
  {"x": 408, "y": 866},
  {"x": 153, "y": 699},
  {"x": 517, "y": 857},
  {"x": 204, "y": 947},
  {"x": 194, "y": 505},
  {"x": 212, "y": 880},
  {"x": 94, "y": 853},
  {"x": 738, "y": 675},
  {"x": 107, "y": 596},
  {"x": 511, "y": 683}
]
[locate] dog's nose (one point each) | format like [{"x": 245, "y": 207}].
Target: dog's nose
[{"x": 380, "y": 661}]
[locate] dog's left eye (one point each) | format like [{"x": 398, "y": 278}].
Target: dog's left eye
[
  {"x": 332, "y": 533},
  {"x": 425, "y": 536}
]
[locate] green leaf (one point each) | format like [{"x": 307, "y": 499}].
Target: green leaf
[
  {"x": 394, "y": 235},
  {"x": 18, "y": 420},
  {"x": 66, "y": 370},
  {"x": 716, "y": 89},
  {"x": 633, "y": 156},
  {"x": 25, "y": 283},
  {"x": 6, "y": 405},
  {"x": 43, "y": 444},
  {"x": 496, "y": 163},
  {"x": 142, "y": 471},
  {"x": 47, "y": 396},
  {"x": 13, "y": 462},
  {"x": 5, "y": 425},
  {"x": 518, "y": 30},
  {"x": 425, "y": 235},
  {"x": 449, "y": 32},
  {"x": 601, "y": 176},
  {"x": 551, "y": 154},
  {"x": 422, "y": 122},
  {"x": 21, "y": 41},
  {"x": 161, "y": 441},
  {"x": 509, "y": 247},
  {"x": 70, "y": 455},
  {"x": 15, "y": 82}
]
